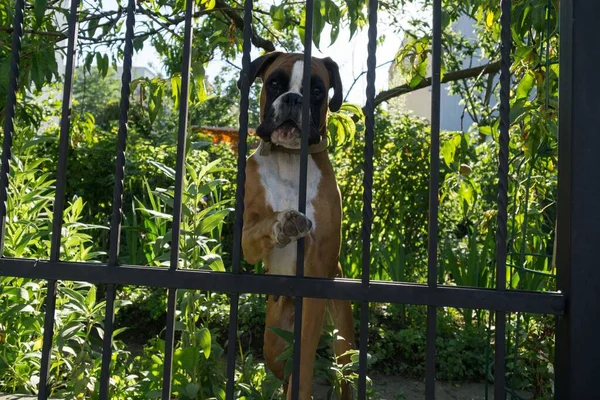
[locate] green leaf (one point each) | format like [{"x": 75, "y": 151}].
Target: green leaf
[
  {"x": 75, "y": 298},
  {"x": 200, "y": 144},
  {"x": 4, "y": 70},
  {"x": 212, "y": 221},
  {"x": 519, "y": 109},
  {"x": 157, "y": 214},
  {"x": 40, "y": 10},
  {"x": 92, "y": 26},
  {"x": 214, "y": 262},
  {"x": 286, "y": 354},
  {"x": 69, "y": 331},
  {"x": 153, "y": 394},
  {"x": 90, "y": 299},
  {"x": 489, "y": 20},
  {"x": 176, "y": 88},
  {"x": 332, "y": 14},
  {"x": 278, "y": 16},
  {"x": 167, "y": 171},
  {"x": 335, "y": 31},
  {"x": 105, "y": 65},
  {"x": 118, "y": 331},
  {"x": 353, "y": 109},
  {"x": 525, "y": 86},
  {"x": 210, "y": 186},
  {"x": 201, "y": 89},
  {"x": 24, "y": 294},
  {"x": 445, "y": 19},
  {"x": 318, "y": 22},
  {"x": 22, "y": 308},
  {"x": 415, "y": 80},
  {"x": 199, "y": 74},
  {"x": 448, "y": 150},
  {"x": 138, "y": 42},
  {"x": 289, "y": 365},
  {"x": 485, "y": 130},
  {"x": 210, "y": 4},
  {"x": 204, "y": 339},
  {"x": 208, "y": 168},
  {"x": 301, "y": 25},
  {"x": 220, "y": 393},
  {"x": 287, "y": 336},
  {"x": 191, "y": 390},
  {"x": 102, "y": 64}
]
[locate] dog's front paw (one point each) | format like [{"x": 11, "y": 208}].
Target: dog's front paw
[{"x": 290, "y": 226}]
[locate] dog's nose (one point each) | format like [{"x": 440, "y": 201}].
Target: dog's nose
[{"x": 292, "y": 100}]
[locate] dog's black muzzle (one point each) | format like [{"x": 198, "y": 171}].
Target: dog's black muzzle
[{"x": 289, "y": 112}]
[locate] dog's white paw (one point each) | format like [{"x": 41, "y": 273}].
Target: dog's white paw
[{"x": 290, "y": 226}]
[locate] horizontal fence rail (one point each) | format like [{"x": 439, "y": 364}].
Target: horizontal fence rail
[
  {"x": 349, "y": 289},
  {"x": 366, "y": 291}
]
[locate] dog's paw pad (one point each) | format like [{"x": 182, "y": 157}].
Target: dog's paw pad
[{"x": 290, "y": 226}]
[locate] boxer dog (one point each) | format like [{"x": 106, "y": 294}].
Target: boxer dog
[{"x": 272, "y": 224}]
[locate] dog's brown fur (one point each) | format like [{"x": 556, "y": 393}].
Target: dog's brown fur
[{"x": 321, "y": 255}]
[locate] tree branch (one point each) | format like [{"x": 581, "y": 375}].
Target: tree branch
[
  {"x": 474, "y": 72},
  {"x": 231, "y": 13},
  {"x": 361, "y": 74},
  {"x": 59, "y": 35},
  {"x": 239, "y": 24}
]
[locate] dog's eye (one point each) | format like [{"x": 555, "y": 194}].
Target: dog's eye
[
  {"x": 274, "y": 84},
  {"x": 316, "y": 92}
]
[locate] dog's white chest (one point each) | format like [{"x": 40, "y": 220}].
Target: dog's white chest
[{"x": 280, "y": 174}]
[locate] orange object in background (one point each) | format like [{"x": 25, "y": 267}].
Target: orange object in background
[{"x": 224, "y": 135}]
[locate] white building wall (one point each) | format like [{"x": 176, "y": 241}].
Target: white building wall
[{"x": 418, "y": 103}]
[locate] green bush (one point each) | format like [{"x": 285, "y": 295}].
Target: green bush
[{"x": 467, "y": 203}]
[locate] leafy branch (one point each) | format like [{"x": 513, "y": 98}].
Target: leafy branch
[
  {"x": 475, "y": 72},
  {"x": 238, "y": 21},
  {"x": 468, "y": 73}
]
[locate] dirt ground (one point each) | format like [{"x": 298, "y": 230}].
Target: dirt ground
[{"x": 397, "y": 388}]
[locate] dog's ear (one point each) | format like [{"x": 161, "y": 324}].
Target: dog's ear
[
  {"x": 259, "y": 66},
  {"x": 336, "y": 83}
]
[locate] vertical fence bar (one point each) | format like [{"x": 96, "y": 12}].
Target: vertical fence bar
[
  {"x": 117, "y": 212},
  {"x": 178, "y": 195},
  {"x": 65, "y": 125},
  {"x": 59, "y": 198},
  {"x": 240, "y": 194},
  {"x": 367, "y": 212},
  {"x": 564, "y": 231},
  {"x": 231, "y": 345},
  {"x": 298, "y": 301},
  {"x": 43, "y": 391},
  {"x": 169, "y": 343},
  {"x": 434, "y": 170},
  {"x": 500, "y": 332},
  {"x": 9, "y": 123},
  {"x": 578, "y": 275}
]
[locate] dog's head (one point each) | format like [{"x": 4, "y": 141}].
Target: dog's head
[{"x": 281, "y": 97}]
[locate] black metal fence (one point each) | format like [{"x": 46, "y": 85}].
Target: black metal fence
[{"x": 577, "y": 305}]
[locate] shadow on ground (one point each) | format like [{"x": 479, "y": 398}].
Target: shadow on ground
[{"x": 398, "y": 388}]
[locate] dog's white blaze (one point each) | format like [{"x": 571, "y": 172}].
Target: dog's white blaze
[
  {"x": 295, "y": 86},
  {"x": 296, "y": 77},
  {"x": 279, "y": 174}
]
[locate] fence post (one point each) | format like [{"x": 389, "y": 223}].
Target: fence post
[{"x": 578, "y": 265}]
